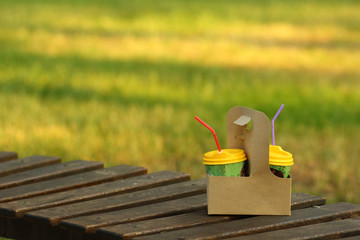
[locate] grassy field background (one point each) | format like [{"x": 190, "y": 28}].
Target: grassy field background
[{"x": 121, "y": 82}]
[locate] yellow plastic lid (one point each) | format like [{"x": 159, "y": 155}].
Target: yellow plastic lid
[
  {"x": 226, "y": 156},
  {"x": 279, "y": 157}
]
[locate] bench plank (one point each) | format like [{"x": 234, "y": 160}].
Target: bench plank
[
  {"x": 355, "y": 237},
  {"x": 18, "y": 208},
  {"x": 23, "y": 164},
  {"x": 259, "y": 224},
  {"x": 171, "y": 223},
  {"x": 70, "y": 182},
  {"x": 48, "y": 172},
  {"x": 327, "y": 230},
  {"x": 303, "y": 200},
  {"x": 6, "y": 156},
  {"x": 88, "y": 224},
  {"x": 54, "y": 215}
]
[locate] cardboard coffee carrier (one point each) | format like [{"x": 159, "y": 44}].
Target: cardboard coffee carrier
[{"x": 261, "y": 193}]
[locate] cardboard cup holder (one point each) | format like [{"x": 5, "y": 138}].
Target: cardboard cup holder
[{"x": 260, "y": 193}]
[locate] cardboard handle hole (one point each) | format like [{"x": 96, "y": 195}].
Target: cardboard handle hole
[{"x": 248, "y": 126}]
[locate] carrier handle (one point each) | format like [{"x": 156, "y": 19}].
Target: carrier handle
[{"x": 254, "y": 141}]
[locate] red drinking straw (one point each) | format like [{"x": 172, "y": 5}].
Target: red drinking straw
[{"x": 212, "y": 130}]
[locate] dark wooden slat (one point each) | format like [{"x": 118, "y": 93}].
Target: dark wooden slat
[
  {"x": 303, "y": 200},
  {"x": 355, "y": 237},
  {"x": 328, "y": 230},
  {"x": 171, "y": 223},
  {"x": 70, "y": 182},
  {"x": 6, "y": 156},
  {"x": 259, "y": 224},
  {"x": 54, "y": 215},
  {"x": 144, "y": 197},
  {"x": 152, "y": 226},
  {"x": 89, "y": 223},
  {"x": 48, "y": 172},
  {"x": 18, "y": 208},
  {"x": 23, "y": 164}
]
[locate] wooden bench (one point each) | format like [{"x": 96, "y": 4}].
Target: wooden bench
[{"x": 42, "y": 198}]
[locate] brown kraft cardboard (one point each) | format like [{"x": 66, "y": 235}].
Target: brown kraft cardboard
[{"x": 262, "y": 193}]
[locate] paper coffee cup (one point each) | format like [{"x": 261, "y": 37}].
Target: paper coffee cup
[
  {"x": 228, "y": 162},
  {"x": 280, "y": 161}
]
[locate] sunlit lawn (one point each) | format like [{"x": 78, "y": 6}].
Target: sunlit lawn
[{"x": 121, "y": 82}]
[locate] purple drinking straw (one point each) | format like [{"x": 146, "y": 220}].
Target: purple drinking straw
[{"x": 272, "y": 123}]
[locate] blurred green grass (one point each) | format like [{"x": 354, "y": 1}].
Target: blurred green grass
[{"x": 120, "y": 82}]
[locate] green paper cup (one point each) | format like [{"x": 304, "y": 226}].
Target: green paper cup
[
  {"x": 229, "y": 162},
  {"x": 280, "y": 161},
  {"x": 280, "y": 171}
]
